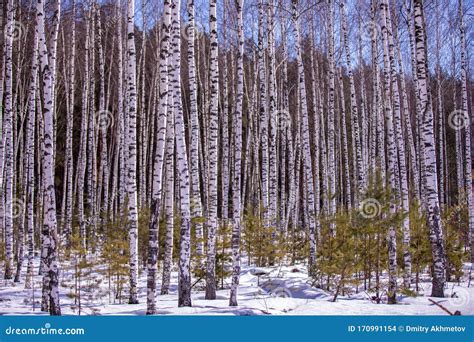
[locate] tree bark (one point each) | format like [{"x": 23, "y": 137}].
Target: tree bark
[
  {"x": 237, "y": 130},
  {"x": 429, "y": 156},
  {"x": 212, "y": 154}
]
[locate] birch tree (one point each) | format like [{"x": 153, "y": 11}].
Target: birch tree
[
  {"x": 237, "y": 130},
  {"x": 196, "y": 205},
  {"x": 467, "y": 126},
  {"x": 212, "y": 153},
  {"x": 400, "y": 143},
  {"x": 68, "y": 178},
  {"x": 158, "y": 162},
  {"x": 429, "y": 156},
  {"x": 49, "y": 249},
  {"x": 307, "y": 162},
  {"x": 356, "y": 136},
  {"x": 184, "y": 275},
  {"x": 259, "y": 146},
  {"x": 169, "y": 204},
  {"x": 132, "y": 152},
  {"x": 8, "y": 133},
  {"x": 263, "y": 112},
  {"x": 330, "y": 119},
  {"x": 81, "y": 163},
  {"x": 30, "y": 167},
  {"x": 275, "y": 117}
]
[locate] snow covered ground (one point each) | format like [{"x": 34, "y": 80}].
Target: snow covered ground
[{"x": 284, "y": 290}]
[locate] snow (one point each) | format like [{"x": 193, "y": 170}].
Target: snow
[{"x": 282, "y": 290}]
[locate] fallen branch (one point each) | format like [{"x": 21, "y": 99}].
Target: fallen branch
[{"x": 442, "y": 307}]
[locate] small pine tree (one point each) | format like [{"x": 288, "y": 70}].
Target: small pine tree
[
  {"x": 281, "y": 247},
  {"x": 85, "y": 280},
  {"x": 337, "y": 260},
  {"x": 223, "y": 253},
  {"x": 373, "y": 218},
  {"x": 258, "y": 240},
  {"x": 419, "y": 243},
  {"x": 115, "y": 253},
  {"x": 143, "y": 222},
  {"x": 455, "y": 224},
  {"x": 2, "y": 250}
]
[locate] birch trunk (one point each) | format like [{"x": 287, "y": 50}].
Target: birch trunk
[
  {"x": 237, "y": 130},
  {"x": 275, "y": 118},
  {"x": 212, "y": 153},
  {"x": 8, "y": 132},
  {"x": 399, "y": 138},
  {"x": 158, "y": 161},
  {"x": 307, "y": 162},
  {"x": 345, "y": 150},
  {"x": 317, "y": 111},
  {"x": 184, "y": 273},
  {"x": 49, "y": 250},
  {"x": 132, "y": 153},
  {"x": 331, "y": 115},
  {"x": 81, "y": 163},
  {"x": 413, "y": 165},
  {"x": 429, "y": 156},
  {"x": 392, "y": 150},
  {"x": 196, "y": 204},
  {"x": 467, "y": 126},
  {"x": 68, "y": 180},
  {"x": 169, "y": 204},
  {"x": 91, "y": 163},
  {"x": 30, "y": 143},
  {"x": 102, "y": 120},
  {"x": 263, "y": 114},
  {"x": 121, "y": 131},
  {"x": 356, "y": 136},
  {"x": 440, "y": 114},
  {"x": 285, "y": 132},
  {"x": 224, "y": 126}
]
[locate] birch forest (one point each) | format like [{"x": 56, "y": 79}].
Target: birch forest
[{"x": 236, "y": 157}]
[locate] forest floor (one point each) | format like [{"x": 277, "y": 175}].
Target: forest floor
[{"x": 282, "y": 290}]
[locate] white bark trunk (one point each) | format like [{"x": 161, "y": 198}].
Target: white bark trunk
[
  {"x": 158, "y": 161},
  {"x": 132, "y": 153},
  {"x": 184, "y": 275},
  {"x": 307, "y": 161},
  {"x": 49, "y": 251},
  {"x": 236, "y": 185},
  {"x": 212, "y": 153},
  {"x": 8, "y": 132},
  {"x": 429, "y": 156}
]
